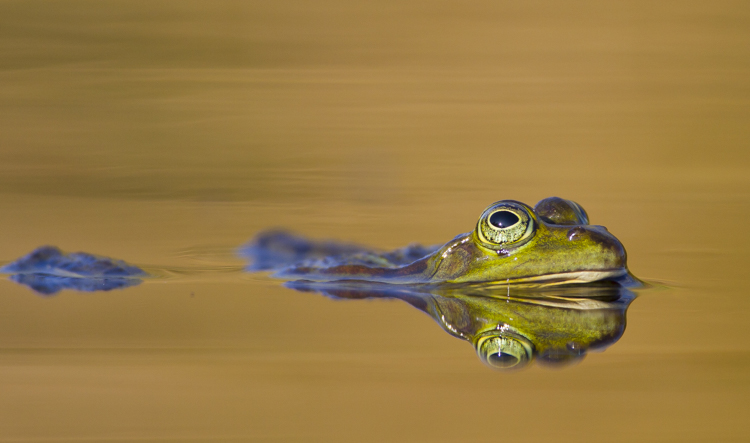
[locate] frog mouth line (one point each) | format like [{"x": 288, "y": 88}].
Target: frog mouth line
[{"x": 563, "y": 278}]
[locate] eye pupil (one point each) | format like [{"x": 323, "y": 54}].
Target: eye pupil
[{"x": 503, "y": 219}]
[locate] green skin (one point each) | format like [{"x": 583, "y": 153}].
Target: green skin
[
  {"x": 510, "y": 329},
  {"x": 560, "y": 248},
  {"x": 559, "y": 331}
]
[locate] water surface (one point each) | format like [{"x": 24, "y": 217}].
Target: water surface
[{"x": 168, "y": 134}]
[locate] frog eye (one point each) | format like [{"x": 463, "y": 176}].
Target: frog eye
[
  {"x": 504, "y": 351},
  {"x": 504, "y": 224}
]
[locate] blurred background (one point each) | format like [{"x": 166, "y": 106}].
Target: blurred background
[{"x": 168, "y": 133}]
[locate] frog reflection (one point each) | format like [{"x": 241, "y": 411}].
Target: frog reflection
[{"x": 510, "y": 329}]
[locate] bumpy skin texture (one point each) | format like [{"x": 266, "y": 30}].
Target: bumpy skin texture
[
  {"x": 560, "y": 247},
  {"x": 49, "y": 260},
  {"x": 47, "y": 270}
]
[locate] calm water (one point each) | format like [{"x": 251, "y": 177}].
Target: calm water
[{"x": 169, "y": 134}]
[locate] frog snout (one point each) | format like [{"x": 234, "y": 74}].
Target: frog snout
[
  {"x": 609, "y": 247},
  {"x": 575, "y": 233}
]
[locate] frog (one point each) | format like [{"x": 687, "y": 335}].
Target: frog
[
  {"x": 512, "y": 243},
  {"x": 509, "y": 328},
  {"x": 47, "y": 270}
]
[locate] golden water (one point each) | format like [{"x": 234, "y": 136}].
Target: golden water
[{"x": 168, "y": 133}]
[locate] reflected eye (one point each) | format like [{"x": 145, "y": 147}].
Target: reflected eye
[
  {"x": 505, "y": 351},
  {"x": 504, "y": 224}
]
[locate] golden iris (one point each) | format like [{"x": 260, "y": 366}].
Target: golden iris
[{"x": 504, "y": 224}]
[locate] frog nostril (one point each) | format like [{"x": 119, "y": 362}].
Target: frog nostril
[{"x": 574, "y": 232}]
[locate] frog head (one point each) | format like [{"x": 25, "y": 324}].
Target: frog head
[{"x": 552, "y": 243}]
